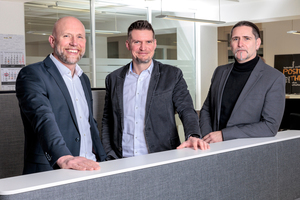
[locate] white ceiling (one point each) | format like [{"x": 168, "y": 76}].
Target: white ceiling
[
  {"x": 45, "y": 12},
  {"x": 41, "y": 14}
]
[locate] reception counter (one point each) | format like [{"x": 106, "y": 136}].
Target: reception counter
[{"x": 256, "y": 168}]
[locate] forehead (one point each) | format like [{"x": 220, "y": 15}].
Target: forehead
[
  {"x": 70, "y": 27},
  {"x": 141, "y": 35},
  {"x": 242, "y": 31}
]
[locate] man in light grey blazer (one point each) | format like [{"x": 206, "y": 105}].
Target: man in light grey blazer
[{"x": 246, "y": 98}]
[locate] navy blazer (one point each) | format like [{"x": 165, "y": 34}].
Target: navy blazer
[
  {"x": 167, "y": 93},
  {"x": 257, "y": 112},
  {"x": 48, "y": 116}
]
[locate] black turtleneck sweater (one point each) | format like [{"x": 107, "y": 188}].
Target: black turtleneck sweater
[{"x": 233, "y": 88}]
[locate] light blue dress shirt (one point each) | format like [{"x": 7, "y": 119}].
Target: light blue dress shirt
[
  {"x": 80, "y": 106},
  {"x": 134, "y": 104}
]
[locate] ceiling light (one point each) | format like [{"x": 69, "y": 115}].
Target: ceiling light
[
  {"x": 68, "y": 8},
  {"x": 87, "y": 31},
  {"x": 39, "y": 32},
  {"x": 189, "y": 19},
  {"x": 294, "y": 31},
  {"x": 83, "y": 6},
  {"x": 170, "y": 17},
  {"x": 103, "y": 31}
]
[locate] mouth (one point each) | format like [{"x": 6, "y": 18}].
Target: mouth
[
  {"x": 72, "y": 50},
  {"x": 240, "y": 50}
]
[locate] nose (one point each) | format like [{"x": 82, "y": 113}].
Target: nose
[
  {"x": 240, "y": 43},
  {"x": 142, "y": 46},
  {"x": 73, "y": 41}
]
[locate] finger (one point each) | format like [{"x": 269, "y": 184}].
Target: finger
[
  {"x": 91, "y": 165},
  {"x": 206, "y": 145},
  {"x": 195, "y": 143},
  {"x": 200, "y": 144},
  {"x": 206, "y": 139},
  {"x": 183, "y": 145}
]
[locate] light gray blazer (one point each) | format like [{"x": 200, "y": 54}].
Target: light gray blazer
[{"x": 259, "y": 109}]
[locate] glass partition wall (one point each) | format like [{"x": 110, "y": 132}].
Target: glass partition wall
[{"x": 175, "y": 39}]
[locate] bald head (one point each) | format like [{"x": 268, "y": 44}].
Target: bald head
[
  {"x": 63, "y": 22},
  {"x": 68, "y": 41}
]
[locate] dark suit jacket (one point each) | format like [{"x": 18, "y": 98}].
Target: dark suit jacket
[
  {"x": 167, "y": 93},
  {"x": 48, "y": 116},
  {"x": 258, "y": 110}
]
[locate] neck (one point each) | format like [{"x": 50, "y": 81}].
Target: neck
[
  {"x": 139, "y": 67},
  {"x": 69, "y": 66}
]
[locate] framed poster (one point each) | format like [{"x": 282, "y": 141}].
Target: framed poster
[{"x": 289, "y": 65}]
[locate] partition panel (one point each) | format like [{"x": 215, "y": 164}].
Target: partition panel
[{"x": 257, "y": 168}]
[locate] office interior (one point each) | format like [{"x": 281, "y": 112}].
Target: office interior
[
  {"x": 195, "y": 47},
  {"x": 191, "y": 46}
]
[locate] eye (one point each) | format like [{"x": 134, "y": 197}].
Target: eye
[
  {"x": 136, "y": 42},
  {"x": 66, "y": 35},
  {"x": 234, "y": 39},
  {"x": 149, "y": 42}
]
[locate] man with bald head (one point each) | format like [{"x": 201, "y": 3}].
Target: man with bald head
[{"x": 56, "y": 106}]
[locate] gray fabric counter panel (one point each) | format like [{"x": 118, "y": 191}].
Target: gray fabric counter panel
[
  {"x": 289, "y": 169},
  {"x": 267, "y": 171},
  {"x": 11, "y": 136}
]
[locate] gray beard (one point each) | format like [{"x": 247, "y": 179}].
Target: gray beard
[
  {"x": 64, "y": 58},
  {"x": 242, "y": 59}
]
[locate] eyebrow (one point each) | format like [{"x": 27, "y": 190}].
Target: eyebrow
[{"x": 242, "y": 36}]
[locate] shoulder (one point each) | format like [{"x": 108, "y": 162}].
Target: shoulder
[
  {"x": 34, "y": 68},
  {"x": 221, "y": 69},
  {"x": 165, "y": 68},
  {"x": 37, "y": 67},
  {"x": 224, "y": 67},
  {"x": 272, "y": 72},
  {"x": 119, "y": 71}
]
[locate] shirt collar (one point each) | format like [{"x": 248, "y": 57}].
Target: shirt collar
[
  {"x": 149, "y": 69},
  {"x": 63, "y": 69}
]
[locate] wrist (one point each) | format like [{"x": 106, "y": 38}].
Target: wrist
[
  {"x": 193, "y": 135},
  {"x": 63, "y": 159}
]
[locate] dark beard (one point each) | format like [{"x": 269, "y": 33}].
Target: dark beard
[{"x": 142, "y": 61}]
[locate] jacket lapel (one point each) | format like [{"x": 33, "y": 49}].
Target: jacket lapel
[
  {"x": 86, "y": 93},
  {"x": 152, "y": 87},
  {"x": 120, "y": 87},
  {"x": 52, "y": 69},
  {"x": 253, "y": 79},
  {"x": 222, "y": 83}
]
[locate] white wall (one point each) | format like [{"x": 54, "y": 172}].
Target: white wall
[
  {"x": 277, "y": 41},
  {"x": 11, "y": 17},
  {"x": 260, "y": 10}
]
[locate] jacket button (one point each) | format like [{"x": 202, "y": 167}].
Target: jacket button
[
  {"x": 120, "y": 148},
  {"x": 77, "y": 139}
]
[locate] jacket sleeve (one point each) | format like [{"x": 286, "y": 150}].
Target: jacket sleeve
[
  {"x": 184, "y": 106},
  {"x": 38, "y": 117},
  {"x": 205, "y": 116},
  {"x": 271, "y": 115},
  {"x": 108, "y": 122}
]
